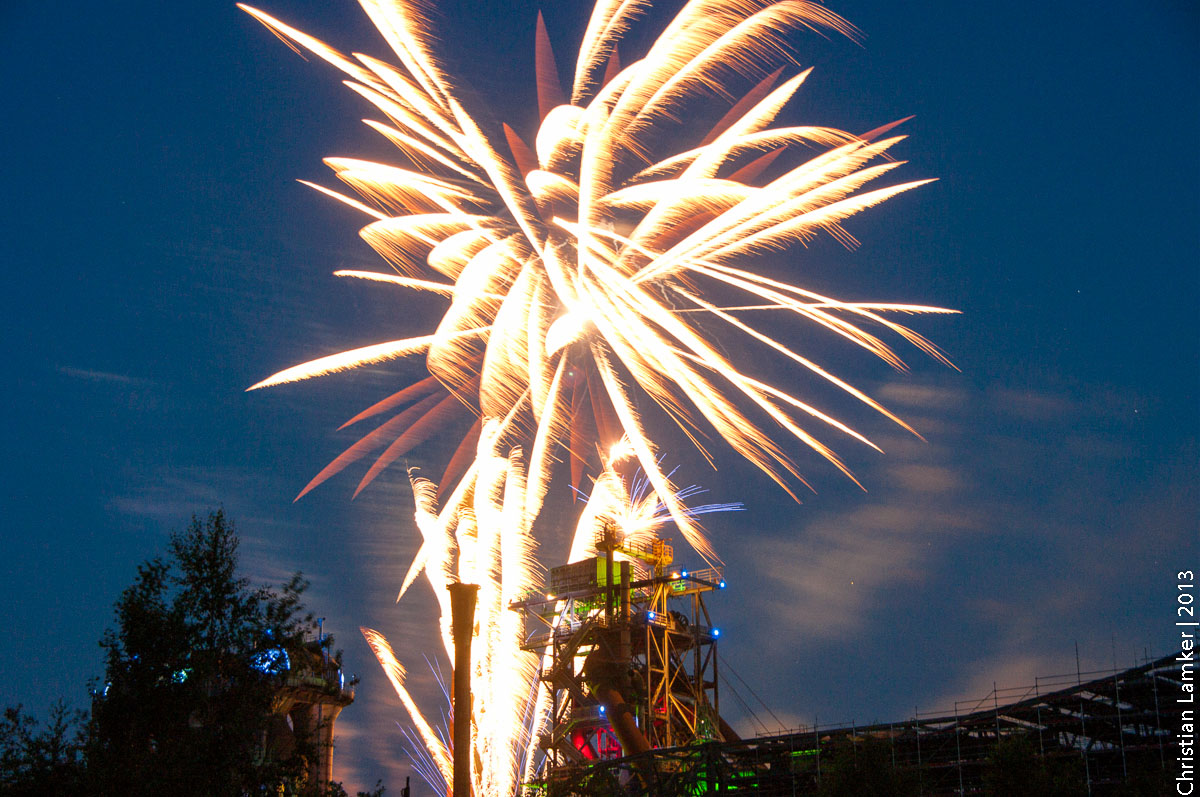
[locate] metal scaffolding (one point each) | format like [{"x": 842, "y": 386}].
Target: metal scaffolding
[{"x": 1103, "y": 732}]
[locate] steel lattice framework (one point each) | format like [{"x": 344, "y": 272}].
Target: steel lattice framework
[
  {"x": 630, "y": 656},
  {"x": 1107, "y": 731}
]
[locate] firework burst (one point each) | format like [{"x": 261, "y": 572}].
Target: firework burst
[{"x": 580, "y": 270}]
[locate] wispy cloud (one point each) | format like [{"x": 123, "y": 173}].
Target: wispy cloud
[
  {"x": 844, "y": 558},
  {"x": 105, "y": 377},
  {"x": 167, "y": 499},
  {"x": 986, "y": 681}
]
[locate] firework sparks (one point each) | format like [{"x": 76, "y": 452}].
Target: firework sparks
[
  {"x": 479, "y": 536},
  {"x": 577, "y": 268}
]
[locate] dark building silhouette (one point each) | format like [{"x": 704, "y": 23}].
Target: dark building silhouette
[{"x": 312, "y": 693}]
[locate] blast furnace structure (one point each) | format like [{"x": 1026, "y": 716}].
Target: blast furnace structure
[{"x": 630, "y": 658}]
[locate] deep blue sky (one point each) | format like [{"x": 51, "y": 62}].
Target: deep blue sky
[{"x": 160, "y": 258}]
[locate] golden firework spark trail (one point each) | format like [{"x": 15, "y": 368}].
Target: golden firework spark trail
[
  {"x": 479, "y": 536},
  {"x": 587, "y": 267}
]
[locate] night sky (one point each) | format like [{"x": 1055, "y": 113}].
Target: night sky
[{"x": 160, "y": 258}]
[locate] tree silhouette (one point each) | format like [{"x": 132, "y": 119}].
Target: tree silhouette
[
  {"x": 36, "y": 761},
  {"x": 191, "y": 672},
  {"x": 195, "y": 668}
]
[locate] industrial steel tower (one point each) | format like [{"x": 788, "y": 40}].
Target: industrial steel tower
[{"x": 630, "y": 656}]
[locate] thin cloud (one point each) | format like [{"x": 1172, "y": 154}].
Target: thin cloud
[
  {"x": 104, "y": 377},
  {"x": 844, "y": 559},
  {"x": 1012, "y": 675}
]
